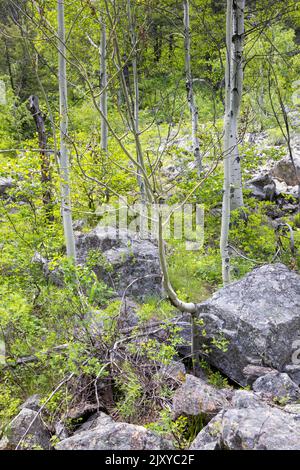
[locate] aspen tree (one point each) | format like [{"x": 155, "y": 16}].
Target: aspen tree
[
  {"x": 103, "y": 88},
  {"x": 63, "y": 126},
  {"x": 236, "y": 90},
  {"x": 136, "y": 94},
  {"x": 189, "y": 85}
]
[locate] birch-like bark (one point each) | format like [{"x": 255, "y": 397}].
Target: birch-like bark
[
  {"x": 63, "y": 154},
  {"x": 238, "y": 7},
  {"x": 189, "y": 85},
  {"x": 136, "y": 95},
  {"x": 227, "y": 152},
  {"x": 103, "y": 89}
]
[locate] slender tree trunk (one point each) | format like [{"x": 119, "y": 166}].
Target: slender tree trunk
[
  {"x": 136, "y": 95},
  {"x": 189, "y": 86},
  {"x": 45, "y": 156},
  {"x": 63, "y": 154},
  {"x": 227, "y": 152},
  {"x": 8, "y": 62},
  {"x": 238, "y": 7},
  {"x": 103, "y": 89}
]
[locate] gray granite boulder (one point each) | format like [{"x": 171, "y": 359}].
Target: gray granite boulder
[
  {"x": 128, "y": 263},
  {"x": 277, "y": 386},
  {"x": 105, "y": 434},
  {"x": 250, "y": 424},
  {"x": 255, "y": 321},
  {"x": 37, "y": 436},
  {"x": 264, "y": 428},
  {"x": 284, "y": 170},
  {"x": 195, "y": 397},
  {"x": 262, "y": 187}
]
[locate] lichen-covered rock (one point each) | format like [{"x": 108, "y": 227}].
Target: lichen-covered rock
[
  {"x": 277, "y": 386},
  {"x": 195, "y": 397},
  {"x": 256, "y": 320},
  {"x": 128, "y": 262},
  {"x": 246, "y": 399},
  {"x": 209, "y": 438},
  {"x": 37, "y": 437},
  {"x": 258, "y": 427},
  {"x": 264, "y": 428},
  {"x": 293, "y": 408},
  {"x": 252, "y": 372},
  {"x": 109, "y": 435}
]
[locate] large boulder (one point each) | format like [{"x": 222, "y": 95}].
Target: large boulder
[
  {"x": 262, "y": 187},
  {"x": 254, "y": 321},
  {"x": 250, "y": 424},
  {"x": 277, "y": 386},
  {"x": 196, "y": 397},
  {"x": 105, "y": 434},
  {"x": 284, "y": 170},
  {"x": 264, "y": 428},
  {"x": 27, "y": 427},
  {"x": 128, "y": 263}
]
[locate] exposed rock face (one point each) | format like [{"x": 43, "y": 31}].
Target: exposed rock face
[
  {"x": 263, "y": 428},
  {"x": 128, "y": 262},
  {"x": 38, "y": 436},
  {"x": 277, "y": 386},
  {"x": 196, "y": 397},
  {"x": 284, "y": 171},
  {"x": 250, "y": 425},
  {"x": 259, "y": 317},
  {"x": 252, "y": 372},
  {"x": 105, "y": 434}
]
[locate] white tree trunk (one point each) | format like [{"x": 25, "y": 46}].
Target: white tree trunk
[
  {"x": 189, "y": 86},
  {"x": 63, "y": 154},
  {"x": 136, "y": 96},
  {"x": 227, "y": 152},
  {"x": 236, "y": 79},
  {"x": 103, "y": 89}
]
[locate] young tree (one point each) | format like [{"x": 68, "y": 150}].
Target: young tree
[
  {"x": 63, "y": 154},
  {"x": 232, "y": 189},
  {"x": 189, "y": 85},
  {"x": 236, "y": 90},
  {"x": 103, "y": 88},
  {"x": 136, "y": 95}
]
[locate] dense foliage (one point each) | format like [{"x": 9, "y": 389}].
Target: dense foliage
[{"x": 43, "y": 321}]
